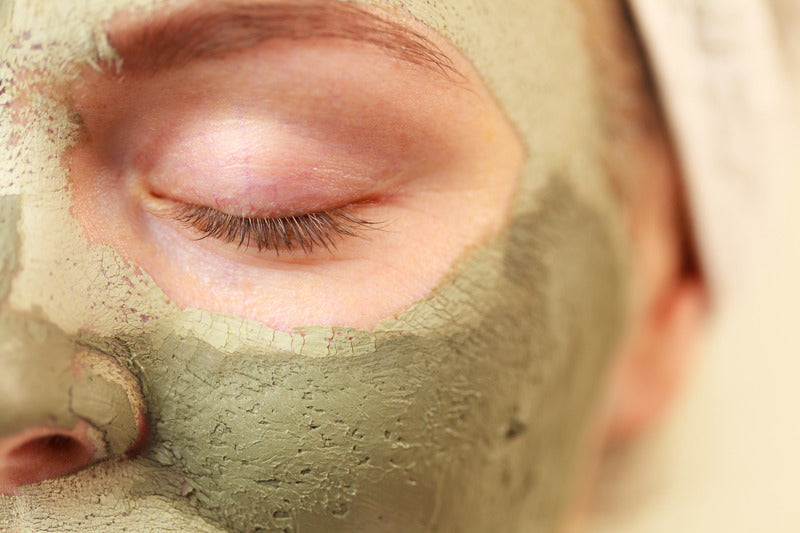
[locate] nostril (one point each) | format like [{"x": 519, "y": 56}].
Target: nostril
[
  {"x": 42, "y": 453},
  {"x": 55, "y": 450}
]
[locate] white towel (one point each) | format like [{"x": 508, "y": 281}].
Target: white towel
[{"x": 724, "y": 77}]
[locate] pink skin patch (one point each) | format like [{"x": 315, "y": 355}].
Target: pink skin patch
[{"x": 43, "y": 452}]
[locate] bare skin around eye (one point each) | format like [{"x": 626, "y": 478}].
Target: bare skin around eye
[{"x": 289, "y": 129}]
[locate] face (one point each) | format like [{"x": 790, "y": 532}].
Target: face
[{"x": 324, "y": 266}]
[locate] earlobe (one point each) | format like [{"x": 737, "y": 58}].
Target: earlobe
[{"x": 653, "y": 363}]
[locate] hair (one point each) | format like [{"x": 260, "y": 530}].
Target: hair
[{"x": 635, "y": 126}]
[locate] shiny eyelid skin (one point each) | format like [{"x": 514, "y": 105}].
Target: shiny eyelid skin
[{"x": 305, "y": 231}]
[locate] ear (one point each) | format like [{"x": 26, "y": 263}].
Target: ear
[{"x": 655, "y": 358}]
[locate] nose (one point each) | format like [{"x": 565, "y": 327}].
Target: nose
[{"x": 62, "y": 407}]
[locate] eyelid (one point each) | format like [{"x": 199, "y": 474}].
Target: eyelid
[{"x": 287, "y": 233}]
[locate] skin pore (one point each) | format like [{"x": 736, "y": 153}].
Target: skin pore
[{"x": 433, "y": 375}]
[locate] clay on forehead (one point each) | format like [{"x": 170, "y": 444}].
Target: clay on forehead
[{"x": 464, "y": 402}]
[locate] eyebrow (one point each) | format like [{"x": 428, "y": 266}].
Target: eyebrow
[{"x": 178, "y": 38}]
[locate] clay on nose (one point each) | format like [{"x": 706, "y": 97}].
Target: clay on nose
[{"x": 62, "y": 407}]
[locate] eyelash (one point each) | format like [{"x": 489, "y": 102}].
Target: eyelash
[{"x": 304, "y": 232}]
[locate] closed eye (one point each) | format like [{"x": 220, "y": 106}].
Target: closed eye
[{"x": 305, "y": 232}]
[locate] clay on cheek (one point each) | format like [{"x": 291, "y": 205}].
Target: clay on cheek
[{"x": 335, "y": 428}]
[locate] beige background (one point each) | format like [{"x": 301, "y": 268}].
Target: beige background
[{"x": 728, "y": 458}]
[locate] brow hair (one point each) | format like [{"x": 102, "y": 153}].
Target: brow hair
[{"x": 180, "y": 37}]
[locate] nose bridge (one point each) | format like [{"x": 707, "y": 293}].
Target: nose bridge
[
  {"x": 35, "y": 357},
  {"x": 9, "y": 241},
  {"x": 36, "y": 376}
]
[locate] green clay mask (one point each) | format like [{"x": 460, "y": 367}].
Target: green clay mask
[{"x": 464, "y": 412}]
